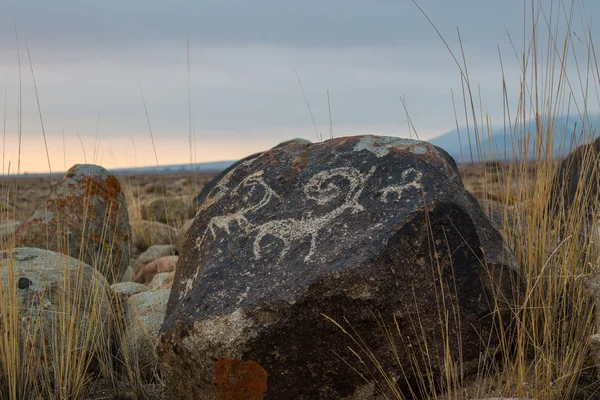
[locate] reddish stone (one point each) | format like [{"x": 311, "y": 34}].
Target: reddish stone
[
  {"x": 86, "y": 218},
  {"x": 238, "y": 380},
  {"x": 163, "y": 264}
]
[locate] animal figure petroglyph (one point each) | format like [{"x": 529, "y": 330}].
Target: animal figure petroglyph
[
  {"x": 254, "y": 182},
  {"x": 398, "y": 189},
  {"x": 322, "y": 189}
]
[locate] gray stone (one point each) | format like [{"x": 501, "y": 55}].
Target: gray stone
[
  {"x": 63, "y": 307},
  {"x": 124, "y": 290},
  {"x": 144, "y": 314},
  {"x": 163, "y": 280}
]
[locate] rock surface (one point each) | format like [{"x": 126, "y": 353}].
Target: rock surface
[
  {"x": 578, "y": 173},
  {"x": 86, "y": 218},
  {"x": 153, "y": 253},
  {"x": 214, "y": 183},
  {"x": 162, "y": 280},
  {"x": 144, "y": 314},
  {"x": 343, "y": 229},
  {"x": 182, "y": 231},
  {"x": 124, "y": 290},
  {"x": 150, "y": 233},
  {"x": 7, "y": 229},
  {"x": 162, "y": 265},
  {"x": 46, "y": 284},
  {"x": 128, "y": 275}
]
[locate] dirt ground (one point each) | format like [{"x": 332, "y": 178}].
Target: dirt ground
[{"x": 20, "y": 196}]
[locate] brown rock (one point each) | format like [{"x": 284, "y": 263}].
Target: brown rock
[
  {"x": 150, "y": 188},
  {"x": 150, "y": 233},
  {"x": 346, "y": 228},
  {"x": 168, "y": 210},
  {"x": 153, "y": 253},
  {"x": 238, "y": 380},
  {"x": 86, "y": 218},
  {"x": 163, "y": 264}
]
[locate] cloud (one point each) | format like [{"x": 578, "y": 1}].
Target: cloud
[{"x": 88, "y": 57}]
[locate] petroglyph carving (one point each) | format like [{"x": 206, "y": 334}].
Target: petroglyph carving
[
  {"x": 408, "y": 183},
  {"x": 380, "y": 146},
  {"x": 221, "y": 189},
  {"x": 339, "y": 188},
  {"x": 322, "y": 189},
  {"x": 253, "y": 183}
]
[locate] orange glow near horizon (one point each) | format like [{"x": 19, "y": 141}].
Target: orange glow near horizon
[{"x": 126, "y": 152}]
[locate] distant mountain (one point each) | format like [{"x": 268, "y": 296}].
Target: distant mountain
[
  {"x": 216, "y": 166},
  {"x": 501, "y": 144}
]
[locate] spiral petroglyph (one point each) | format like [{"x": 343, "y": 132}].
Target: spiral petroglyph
[{"x": 323, "y": 190}]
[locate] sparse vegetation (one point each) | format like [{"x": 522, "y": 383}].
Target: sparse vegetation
[{"x": 545, "y": 355}]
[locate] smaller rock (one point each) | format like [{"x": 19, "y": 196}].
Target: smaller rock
[
  {"x": 128, "y": 275},
  {"x": 124, "y": 290},
  {"x": 150, "y": 188},
  {"x": 167, "y": 210},
  {"x": 7, "y": 229},
  {"x": 162, "y": 280},
  {"x": 150, "y": 233},
  {"x": 180, "y": 183},
  {"x": 153, "y": 253},
  {"x": 144, "y": 314},
  {"x": 163, "y": 264}
]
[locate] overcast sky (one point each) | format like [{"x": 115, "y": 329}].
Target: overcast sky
[{"x": 87, "y": 57}]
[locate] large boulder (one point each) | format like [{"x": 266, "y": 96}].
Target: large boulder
[
  {"x": 60, "y": 306},
  {"x": 214, "y": 183},
  {"x": 86, "y": 218},
  {"x": 340, "y": 230}
]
